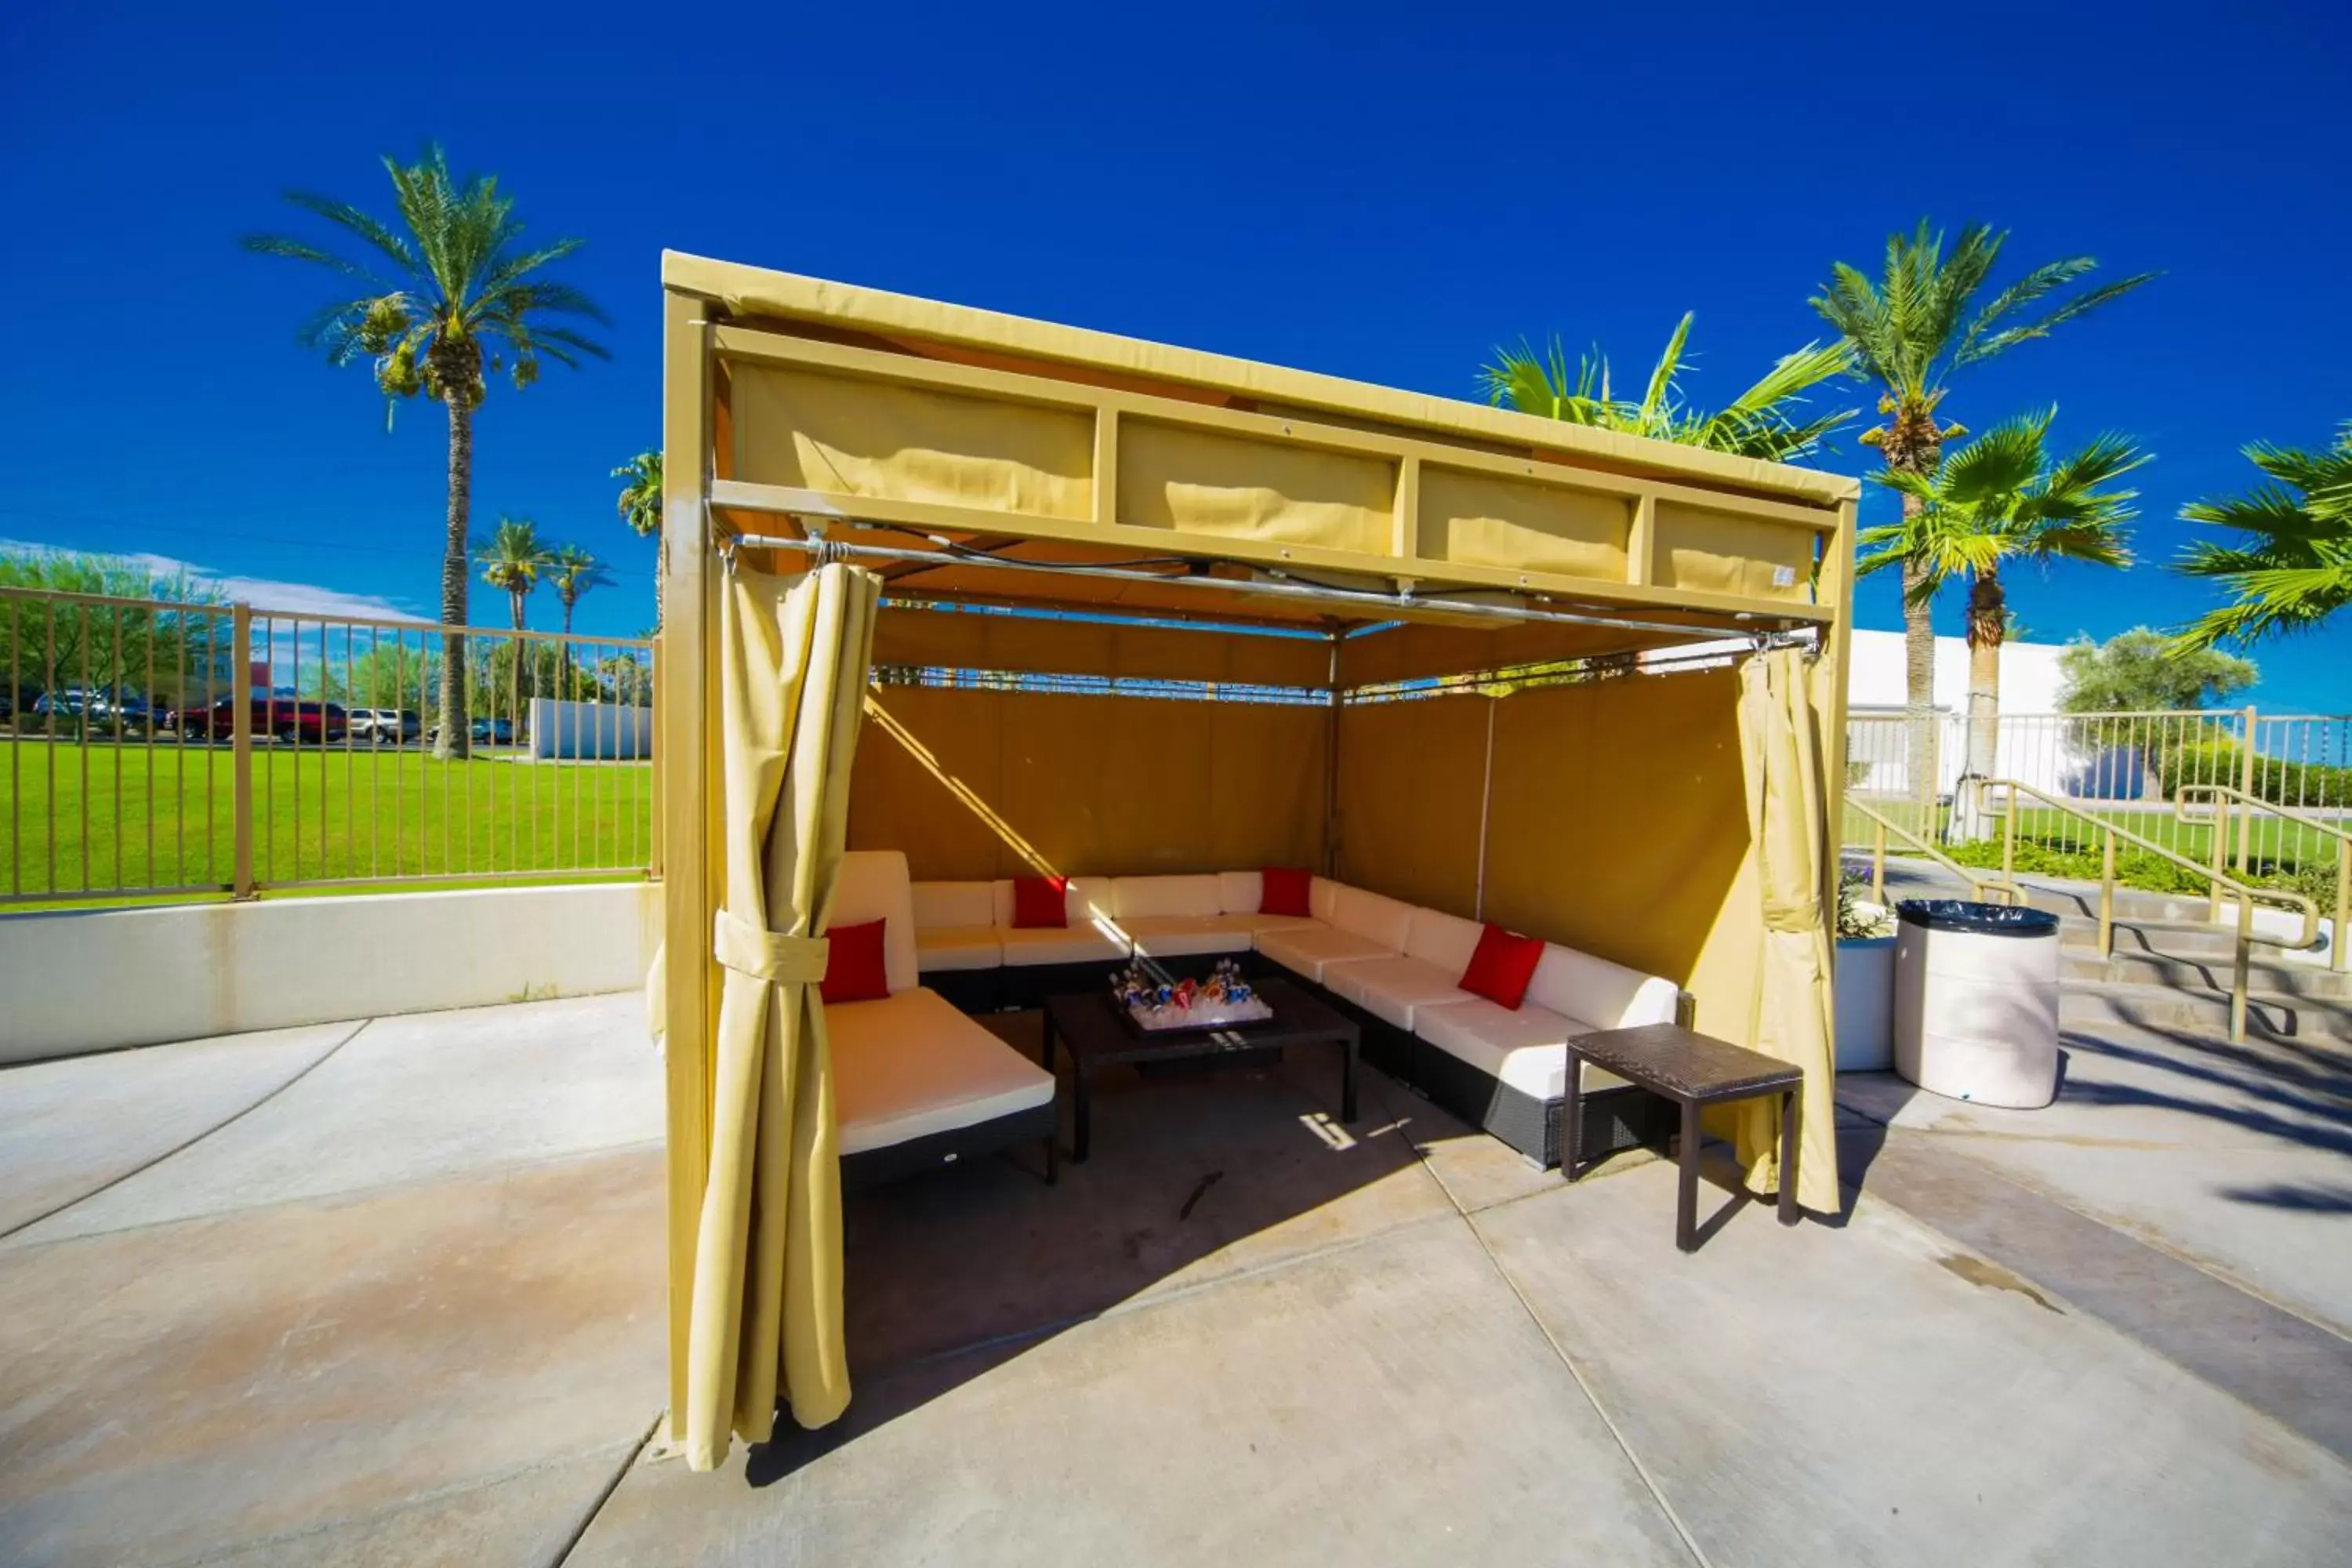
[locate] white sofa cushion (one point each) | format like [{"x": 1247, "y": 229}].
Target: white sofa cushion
[
  {"x": 873, "y": 886},
  {"x": 1173, "y": 936},
  {"x": 1138, "y": 898},
  {"x": 1610, "y": 995},
  {"x": 941, "y": 904},
  {"x": 1240, "y": 892},
  {"x": 1525, "y": 1047},
  {"x": 1307, "y": 949},
  {"x": 1442, "y": 940},
  {"x": 940, "y": 948},
  {"x": 1323, "y": 897},
  {"x": 910, "y": 1065},
  {"x": 1393, "y": 988},
  {"x": 1086, "y": 943},
  {"x": 1373, "y": 915}
]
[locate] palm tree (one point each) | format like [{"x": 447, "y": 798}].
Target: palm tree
[
  {"x": 641, "y": 497},
  {"x": 445, "y": 297},
  {"x": 513, "y": 559},
  {"x": 573, "y": 571},
  {"x": 640, "y": 505},
  {"x": 1910, "y": 333},
  {"x": 2000, "y": 499},
  {"x": 2292, "y": 568},
  {"x": 1756, "y": 424}
]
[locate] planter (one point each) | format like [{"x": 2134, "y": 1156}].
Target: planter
[{"x": 1865, "y": 1003}]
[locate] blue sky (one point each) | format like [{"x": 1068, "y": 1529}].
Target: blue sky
[{"x": 1377, "y": 196}]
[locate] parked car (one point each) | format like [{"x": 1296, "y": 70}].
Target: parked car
[
  {"x": 493, "y": 731},
  {"x": 282, "y": 718},
  {"x": 385, "y": 726},
  {"x": 97, "y": 705}
]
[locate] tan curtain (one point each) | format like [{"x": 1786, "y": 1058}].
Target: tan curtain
[
  {"x": 1780, "y": 745},
  {"x": 792, "y": 660}
]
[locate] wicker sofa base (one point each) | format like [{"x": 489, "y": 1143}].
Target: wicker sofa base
[
  {"x": 1039, "y": 1124},
  {"x": 1614, "y": 1118}
]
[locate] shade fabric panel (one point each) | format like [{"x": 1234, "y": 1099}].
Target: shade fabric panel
[
  {"x": 1781, "y": 740},
  {"x": 792, "y": 656},
  {"x": 979, "y": 784}
]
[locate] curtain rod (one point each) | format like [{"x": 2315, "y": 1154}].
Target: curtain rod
[{"x": 823, "y": 550}]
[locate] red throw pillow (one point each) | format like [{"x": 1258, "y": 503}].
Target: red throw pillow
[
  {"x": 1286, "y": 892},
  {"x": 1502, "y": 966},
  {"x": 854, "y": 970},
  {"x": 1040, "y": 903}
]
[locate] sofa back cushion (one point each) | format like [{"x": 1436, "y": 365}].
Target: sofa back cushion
[
  {"x": 1443, "y": 940},
  {"x": 1139, "y": 897},
  {"x": 1604, "y": 995},
  {"x": 1322, "y": 898},
  {"x": 873, "y": 886},
  {"x": 940, "y": 905},
  {"x": 1238, "y": 892},
  {"x": 1087, "y": 900},
  {"x": 1381, "y": 919}
]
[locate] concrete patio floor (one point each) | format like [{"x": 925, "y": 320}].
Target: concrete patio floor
[{"x": 390, "y": 1293}]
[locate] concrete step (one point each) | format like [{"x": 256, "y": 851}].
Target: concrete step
[
  {"x": 2201, "y": 972},
  {"x": 2093, "y": 1003}
]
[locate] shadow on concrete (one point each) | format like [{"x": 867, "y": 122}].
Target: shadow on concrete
[
  {"x": 1191, "y": 1179},
  {"x": 2306, "y": 1198}
]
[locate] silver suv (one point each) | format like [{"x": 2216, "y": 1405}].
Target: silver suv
[{"x": 385, "y": 726}]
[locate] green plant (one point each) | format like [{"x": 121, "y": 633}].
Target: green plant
[
  {"x": 2291, "y": 568},
  {"x": 1857, "y": 918},
  {"x": 449, "y": 297},
  {"x": 1757, "y": 423},
  {"x": 1910, "y": 333}
]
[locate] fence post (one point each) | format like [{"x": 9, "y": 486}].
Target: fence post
[
  {"x": 2246, "y": 788},
  {"x": 240, "y": 755},
  {"x": 2337, "y": 938}
]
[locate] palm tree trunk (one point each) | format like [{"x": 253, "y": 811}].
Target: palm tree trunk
[
  {"x": 1987, "y": 618},
  {"x": 521, "y": 653},
  {"x": 453, "y": 742},
  {"x": 1919, "y": 688},
  {"x": 563, "y": 692}
]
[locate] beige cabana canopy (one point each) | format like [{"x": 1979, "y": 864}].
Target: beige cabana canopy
[{"x": 1483, "y": 662}]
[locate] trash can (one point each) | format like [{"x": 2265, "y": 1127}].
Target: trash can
[{"x": 1976, "y": 1001}]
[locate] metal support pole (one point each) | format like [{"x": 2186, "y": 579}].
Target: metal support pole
[
  {"x": 1878, "y": 863},
  {"x": 2246, "y": 788},
  {"x": 2336, "y": 942},
  {"x": 2219, "y": 852},
  {"x": 2107, "y": 899},
  {"x": 240, "y": 754},
  {"x": 2241, "y": 973}
]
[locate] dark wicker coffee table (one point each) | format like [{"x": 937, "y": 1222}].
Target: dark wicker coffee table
[
  {"x": 1089, "y": 1027},
  {"x": 1695, "y": 1071}
]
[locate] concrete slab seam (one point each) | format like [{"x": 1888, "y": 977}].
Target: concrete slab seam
[
  {"x": 1682, "y": 1530},
  {"x": 230, "y": 1121},
  {"x": 605, "y": 1494}
]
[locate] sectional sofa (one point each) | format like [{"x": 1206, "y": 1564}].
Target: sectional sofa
[
  {"x": 916, "y": 1084},
  {"x": 1392, "y": 966}
]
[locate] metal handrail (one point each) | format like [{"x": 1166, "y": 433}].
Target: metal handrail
[
  {"x": 2246, "y": 894},
  {"x": 2007, "y": 889},
  {"x": 2221, "y": 796}
]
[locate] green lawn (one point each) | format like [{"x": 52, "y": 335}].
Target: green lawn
[
  {"x": 94, "y": 821},
  {"x": 2272, "y": 840}
]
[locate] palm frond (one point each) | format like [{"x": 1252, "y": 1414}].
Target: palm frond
[{"x": 2290, "y": 568}]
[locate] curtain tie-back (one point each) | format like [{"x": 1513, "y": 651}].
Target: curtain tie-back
[
  {"x": 1791, "y": 914},
  {"x": 765, "y": 954}
]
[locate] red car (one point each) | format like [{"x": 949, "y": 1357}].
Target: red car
[{"x": 282, "y": 716}]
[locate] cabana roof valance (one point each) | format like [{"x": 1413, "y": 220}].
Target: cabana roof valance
[{"x": 966, "y": 440}]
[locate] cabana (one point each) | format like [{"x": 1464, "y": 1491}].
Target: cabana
[{"x": 1007, "y": 598}]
